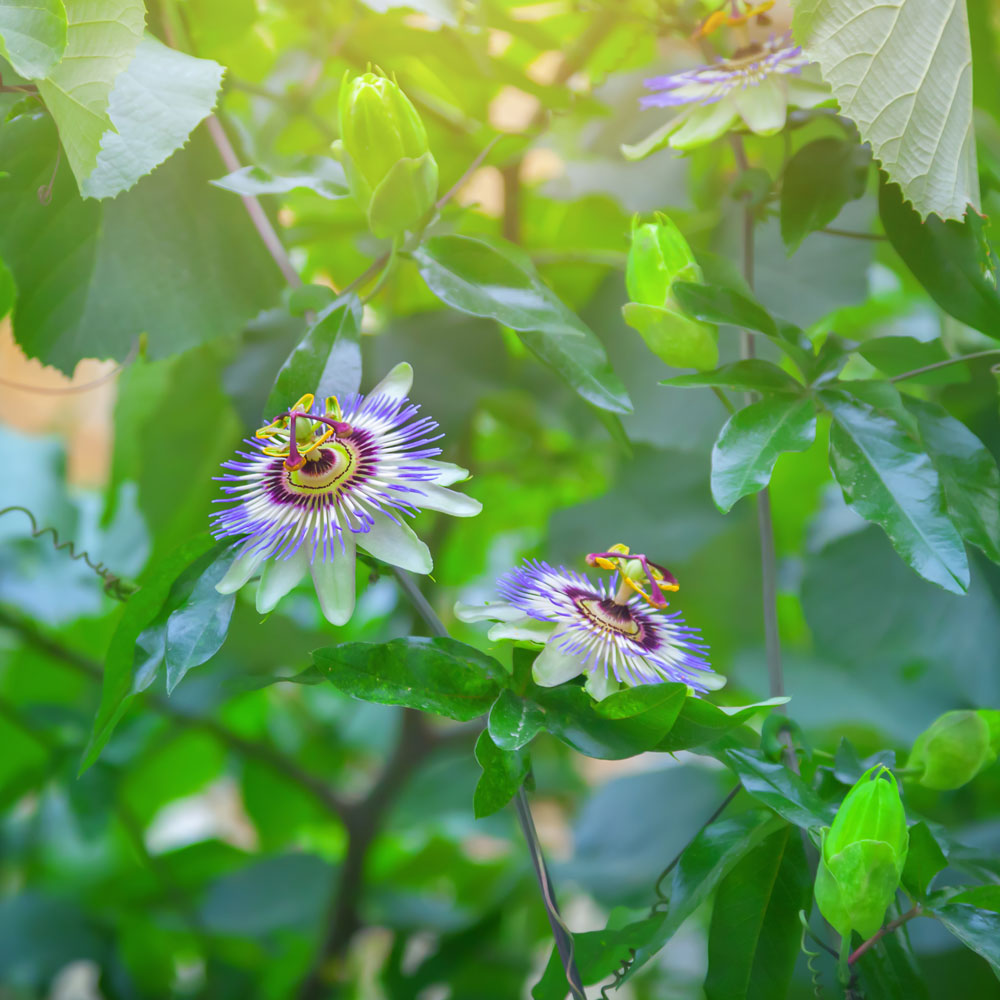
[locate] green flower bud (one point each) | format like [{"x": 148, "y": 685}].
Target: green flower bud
[
  {"x": 383, "y": 145},
  {"x": 955, "y": 748},
  {"x": 863, "y": 855},
  {"x": 658, "y": 256}
]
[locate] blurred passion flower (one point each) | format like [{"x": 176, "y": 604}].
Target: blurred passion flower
[
  {"x": 320, "y": 480},
  {"x": 615, "y": 631},
  {"x": 754, "y": 88}
]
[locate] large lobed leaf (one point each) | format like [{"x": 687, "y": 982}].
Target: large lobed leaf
[{"x": 902, "y": 71}]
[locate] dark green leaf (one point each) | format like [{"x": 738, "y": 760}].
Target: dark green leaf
[
  {"x": 752, "y": 440},
  {"x": 126, "y": 266},
  {"x": 752, "y": 375},
  {"x": 924, "y": 859},
  {"x": 663, "y": 700},
  {"x": 706, "y": 861},
  {"x": 442, "y": 676},
  {"x": 715, "y": 304},
  {"x": 496, "y": 280},
  {"x": 897, "y": 355},
  {"x": 119, "y": 662},
  {"x": 975, "y": 928},
  {"x": 888, "y": 478},
  {"x": 952, "y": 260},
  {"x": 986, "y": 897},
  {"x": 514, "y": 722},
  {"x": 753, "y": 941},
  {"x": 968, "y": 472},
  {"x": 7, "y": 290},
  {"x": 503, "y": 774},
  {"x": 321, "y": 174},
  {"x": 700, "y": 723},
  {"x": 328, "y": 360},
  {"x": 889, "y": 971},
  {"x": 818, "y": 181},
  {"x": 777, "y": 786},
  {"x": 197, "y": 629}
]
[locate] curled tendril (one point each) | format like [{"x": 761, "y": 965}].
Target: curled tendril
[
  {"x": 811, "y": 956},
  {"x": 114, "y": 585},
  {"x": 619, "y": 974}
]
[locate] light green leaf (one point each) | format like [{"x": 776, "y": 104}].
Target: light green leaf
[
  {"x": 154, "y": 106},
  {"x": 888, "y": 478},
  {"x": 323, "y": 175},
  {"x": 92, "y": 276},
  {"x": 32, "y": 35},
  {"x": 748, "y": 446},
  {"x": 496, "y": 279},
  {"x": 902, "y": 71},
  {"x": 102, "y": 38},
  {"x": 752, "y": 375},
  {"x": 503, "y": 773}
]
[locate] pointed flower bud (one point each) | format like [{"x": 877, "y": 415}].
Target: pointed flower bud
[
  {"x": 955, "y": 748},
  {"x": 659, "y": 255},
  {"x": 383, "y": 144},
  {"x": 864, "y": 852}
]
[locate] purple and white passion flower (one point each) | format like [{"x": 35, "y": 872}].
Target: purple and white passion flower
[
  {"x": 320, "y": 480},
  {"x": 613, "y": 630}
]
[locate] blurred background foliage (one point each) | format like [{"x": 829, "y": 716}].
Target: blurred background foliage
[{"x": 199, "y": 856}]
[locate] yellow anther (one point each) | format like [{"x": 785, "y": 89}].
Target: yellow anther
[
  {"x": 711, "y": 23},
  {"x": 718, "y": 18},
  {"x": 305, "y": 402},
  {"x": 276, "y": 450},
  {"x": 333, "y": 408},
  {"x": 322, "y": 439}
]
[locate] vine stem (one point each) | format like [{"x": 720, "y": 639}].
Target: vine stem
[
  {"x": 944, "y": 364},
  {"x": 564, "y": 940},
  {"x": 889, "y": 928},
  {"x": 765, "y": 520}
]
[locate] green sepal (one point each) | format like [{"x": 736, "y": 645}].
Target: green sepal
[
  {"x": 405, "y": 197},
  {"x": 673, "y": 337}
]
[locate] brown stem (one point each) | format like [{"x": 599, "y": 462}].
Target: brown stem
[{"x": 889, "y": 928}]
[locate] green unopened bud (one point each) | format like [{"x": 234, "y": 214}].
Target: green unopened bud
[
  {"x": 864, "y": 852},
  {"x": 955, "y": 748},
  {"x": 658, "y": 256},
  {"x": 383, "y": 145}
]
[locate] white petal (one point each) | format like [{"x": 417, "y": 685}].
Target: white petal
[
  {"x": 396, "y": 384},
  {"x": 447, "y": 501},
  {"x": 242, "y": 569},
  {"x": 598, "y": 686},
  {"x": 552, "y": 666},
  {"x": 334, "y": 581},
  {"x": 396, "y": 544},
  {"x": 710, "y": 680},
  {"x": 279, "y": 576},
  {"x": 446, "y": 473},
  {"x": 497, "y": 611},
  {"x": 525, "y": 630}
]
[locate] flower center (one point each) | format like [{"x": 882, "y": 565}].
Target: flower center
[
  {"x": 324, "y": 472},
  {"x": 606, "y": 614}
]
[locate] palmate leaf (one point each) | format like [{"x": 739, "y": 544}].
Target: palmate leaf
[
  {"x": 902, "y": 71},
  {"x": 32, "y": 35},
  {"x": 101, "y": 40}
]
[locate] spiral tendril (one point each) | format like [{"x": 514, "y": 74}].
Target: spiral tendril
[
  {"x": 619, "y": 974},
  {"x": 114, "y": 585}
]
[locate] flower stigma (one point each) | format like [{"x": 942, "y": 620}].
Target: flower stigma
[
  {"x": 632, "y": 568},
  {"x": 302, "y": 429}
]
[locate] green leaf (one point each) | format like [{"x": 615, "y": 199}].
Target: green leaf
[
  {"x": 818, "y": 181},
  {"x": 753, "y": 940},
  {"x": 781, "y": 789},
  {"x": 140, "y": 610},
  {"x": 495, "y": 279},
  {"x": 665, "y": 700},
  {"x": 750, "y": 443},
  {"x": 101, "y": 40},
  {"x": 717, "y": 304},
  {"x": 902, "y": 72},
  {"x": 897, "y": 355},
  {"x": 752, "y": 375},
  {"x": 968, "y": 472},
  {"x": 503, "y": 774},
  {"x": 125, "y": 266},
  {"x": 986, "y": 897},
  {"x": 326, "y": 362},
  {"x": 924, "y": 859},
  {"x": 8, "y": 290},
  {"x": 514, "y": 722},
  {"x": 321, "y": 174},
  {"x": 887, "y": 478},
  {"x": 976, "y": 929},
  {"x": 700, "y": 723},
  {"x": 196, "y": 630},
  {"x": 889, "y": 971},
  {"x": 442, "y": 676},
  {"x": 952, "y": 260},
  {"x": 706, "y": 861},
  {"x": 32, "y": 35},
  {"x": 154, "y": 106}
]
